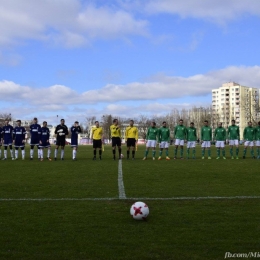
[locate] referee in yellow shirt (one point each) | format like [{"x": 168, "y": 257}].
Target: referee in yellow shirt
[
  {"x": 97, "y": 133},
  {"x": 131, "y": 137},
  {"x": 116, "y": 138}
]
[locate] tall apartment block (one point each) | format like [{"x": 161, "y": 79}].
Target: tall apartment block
[{"x": 233, "y": 101}]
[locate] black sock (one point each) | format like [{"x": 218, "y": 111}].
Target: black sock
[
  {"x": 95, "y": 152},
  {"x": 114, "y": 153},
  {"x": 100, "y": 152},
  {"x": 133, "y": 154},
  {"x": 128, "y": 154},
  {"x": 119, "y": 151}
]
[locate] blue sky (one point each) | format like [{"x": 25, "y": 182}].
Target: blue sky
[{"x": 89, "y": 58}]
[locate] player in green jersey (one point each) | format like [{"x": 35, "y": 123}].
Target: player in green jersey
[
  {"x": 257, "y": 137},
  {"x": 191, "y": 140},
  {"x": 180, "y": 136},
  {"x": 206, "y": 138},
  {"x": 164, "y": 139},
  {"x": 249, "y": 137},
  {"x": 234, "y": 137},
  {"x": 220, "y": 137},
  {"x": 151, "y": 139}
]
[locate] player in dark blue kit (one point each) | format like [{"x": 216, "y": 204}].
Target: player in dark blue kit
[
  {"x": 19, "y": 139},
  {"x": 35, "y": 130},
  {"x": 1, "y": 139},
  {"x": 8, "y": 139},
  {"x": 75, "y": 130},
  {"x": 44, "y": 141},
  {"x": 61, "y": 131}
]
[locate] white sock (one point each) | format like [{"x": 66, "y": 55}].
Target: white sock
[
  {"x": 55, "y": 153},
  {"x": 49, "y": 153},
  {"x": 23, "y": 154},
  {"x": 31, "y": 153},
  {"x": 11, "y": 152},
  {"x": 0, "y": 152},
  {"x": 5, "y": 153},
  {"x": 16, "y": 154},
  {"x": 74, "y": 153},
  {"x": 61, "y": 153},
  {"x": 39, "y": 153}
]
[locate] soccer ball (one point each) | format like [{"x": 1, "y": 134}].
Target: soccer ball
[
  {"x": 139, "y": 211},
  {"x": 122, "y": 156}
]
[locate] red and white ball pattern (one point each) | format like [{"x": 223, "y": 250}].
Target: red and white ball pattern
[{"x": 139, "y": 210}]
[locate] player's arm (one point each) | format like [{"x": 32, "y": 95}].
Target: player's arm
[
  {"x": 66, "y": 130},
  {"x": 244, "y": 134},
  {"x": 56, "y": 130},
  {"x": 23, "y": 134},
  {"x": 113, "y": 129},
  {"x": 136, "y": 135},
  {"x": 14, "y": 134},
  {"x": 79, "y": 129},
  {"x": 238, "y": 133},
  {"x": 126, "y": 134}
]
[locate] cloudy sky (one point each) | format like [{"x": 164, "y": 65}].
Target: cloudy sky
[{"x": 75, "y": 58}]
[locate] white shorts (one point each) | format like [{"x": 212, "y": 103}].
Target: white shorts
[
  {"x": 179, "y": 142},
  {"x": 257, "y": 143},
  {"x": 205, "y": 144},
  {"x": 191, "y": 144},
  {"x": 151, "y": 143},
  {"x": 220, "y": 144},
  {"x": 164, "y": 144},
  {"x": 233, "y": 142},
  {"x": 249, "y": 143}
]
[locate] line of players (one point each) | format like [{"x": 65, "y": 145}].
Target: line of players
[
  {"x": 189, "y": 134},
  {"x": 40, "y": 136}
]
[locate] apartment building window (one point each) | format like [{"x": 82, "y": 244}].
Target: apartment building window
[{"x": 237, "y": 89}]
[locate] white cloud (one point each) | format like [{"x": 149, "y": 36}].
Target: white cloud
[
  {"x": 69, "y": 23},
  {"x": 158, "y": 87},
  {"x": 215, "y": 10}
]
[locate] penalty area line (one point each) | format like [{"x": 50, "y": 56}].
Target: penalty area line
[{"x": 134, "y": 199}]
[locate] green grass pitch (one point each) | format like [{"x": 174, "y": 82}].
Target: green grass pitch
[{"x": 71, "y": 209}]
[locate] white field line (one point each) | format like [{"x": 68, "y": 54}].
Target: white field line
[
  {"x": 134, "y": 199},
  {"x": 121, "y": 188}
]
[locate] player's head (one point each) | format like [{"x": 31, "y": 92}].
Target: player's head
[
  {"x": 76, "y": 123},
  {"x": 18, "y": 122},
  {"x": 181, "y": 122},
  {"x": 249, "y": 123},
  {"x": 35, "y": 120},
  {"x": 62, "y": 121},
  {"x": 233, "y": 122},
  {"x": 219, "y": 124},
  {"x": 115, "y": 121},
  {"x": 6, "y": 121},
  {"x": 206, "y": 122},
  {"x": 153, "y": 124},
  {"x": 97, "y": 124},
  {"x": 131, "y": 122},
  {"x": 191, "y": 124},
  {"x": 44, "y": 123},
  {"x": 164, "y": 124}
]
